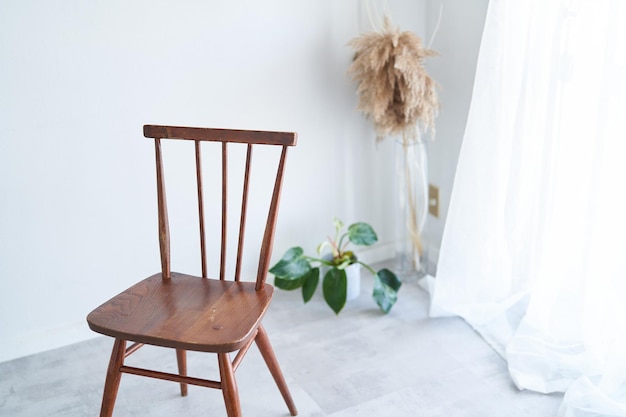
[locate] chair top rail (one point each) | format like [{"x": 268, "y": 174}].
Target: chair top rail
[{"x": 220, "y": 135}]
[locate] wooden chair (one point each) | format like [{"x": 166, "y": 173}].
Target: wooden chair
[{"x": 186, "y": 312}]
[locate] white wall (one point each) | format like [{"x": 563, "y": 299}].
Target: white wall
[
  {"x": 78, "y": 79},
  {"x": 457, "y": 41}
]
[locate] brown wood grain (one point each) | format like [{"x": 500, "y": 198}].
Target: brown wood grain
[
  {"x": 113, "y": 378},
  {"x": 187, "y": 312},
  {"x": 257, "y": 137},
  {"x": 265, "y": 347}
]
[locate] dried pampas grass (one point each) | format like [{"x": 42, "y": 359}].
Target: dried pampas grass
[{"x": 395, "y": 91}]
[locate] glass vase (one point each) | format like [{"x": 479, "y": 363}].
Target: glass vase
[{"x": 411, "y": 208}]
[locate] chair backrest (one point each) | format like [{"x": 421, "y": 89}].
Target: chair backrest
[{"x": 248, "y": 139}]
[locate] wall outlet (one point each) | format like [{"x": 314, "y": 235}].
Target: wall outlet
[{"x": 433, "y": 200}]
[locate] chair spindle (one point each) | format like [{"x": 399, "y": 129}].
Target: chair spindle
[
  {"x": 244, "y": 210},
  {"x": 224, "y": 209},
  {"x": 164, "y": 230},
  {"x": 200, "y": 208},
  {"x": 268, "y": 236}
]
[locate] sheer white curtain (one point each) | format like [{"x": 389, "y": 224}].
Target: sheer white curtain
[{"x": 534, "y": 250}]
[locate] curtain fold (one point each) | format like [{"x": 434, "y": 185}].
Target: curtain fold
[{"x": 533, "y": 254}]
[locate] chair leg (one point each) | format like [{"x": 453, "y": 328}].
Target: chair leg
[
  {"x": 263, "y": 342},
  {"x": 229, "y": 385},
  {"x": 181, "y": 357},
  {"x": 113, "y": 378}
]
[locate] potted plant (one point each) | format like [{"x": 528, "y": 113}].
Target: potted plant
[{"x": 296, "y": 270}]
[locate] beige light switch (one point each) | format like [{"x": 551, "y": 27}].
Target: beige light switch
[{"x": 433, "y": 200}]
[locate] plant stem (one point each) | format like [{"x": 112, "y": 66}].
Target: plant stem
[
  {"x": 339, "y": 248},
  {"x": 335, "y": 247},
  {"x": 322, "y": 261},
  {"x": 369, "y": 268}
]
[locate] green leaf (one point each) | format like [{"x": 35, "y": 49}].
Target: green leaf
[
  {"x": 320, "y": 248},
  {"x": 386, "y": 286},
  {"x": 335, "y": 288},
  {"x": 338, "y": 224},
  {"x": 292, "y": 265},
  {"x": 289, "y": 283},
  {"x": 293, "y": 254},
  {"x": 390, "y": 279},
  {"x": 362, "y": 234},
  {"x": 311, "y": 280}
]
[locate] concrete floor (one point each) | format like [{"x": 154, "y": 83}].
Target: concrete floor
[{"x": 361, "y": 363}]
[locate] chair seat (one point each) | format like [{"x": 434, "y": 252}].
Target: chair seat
[{"x": 184, "y": 312}]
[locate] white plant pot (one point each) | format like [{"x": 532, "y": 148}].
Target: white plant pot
[{"x": 353, "y": 274}]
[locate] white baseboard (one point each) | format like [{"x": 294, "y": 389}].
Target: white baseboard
[
  {"x": 69, "y": 333},
  {"x": 376, "y": 253},
  {"x": 386, "y": 251},
  {"x": 40, "y": 341}
]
